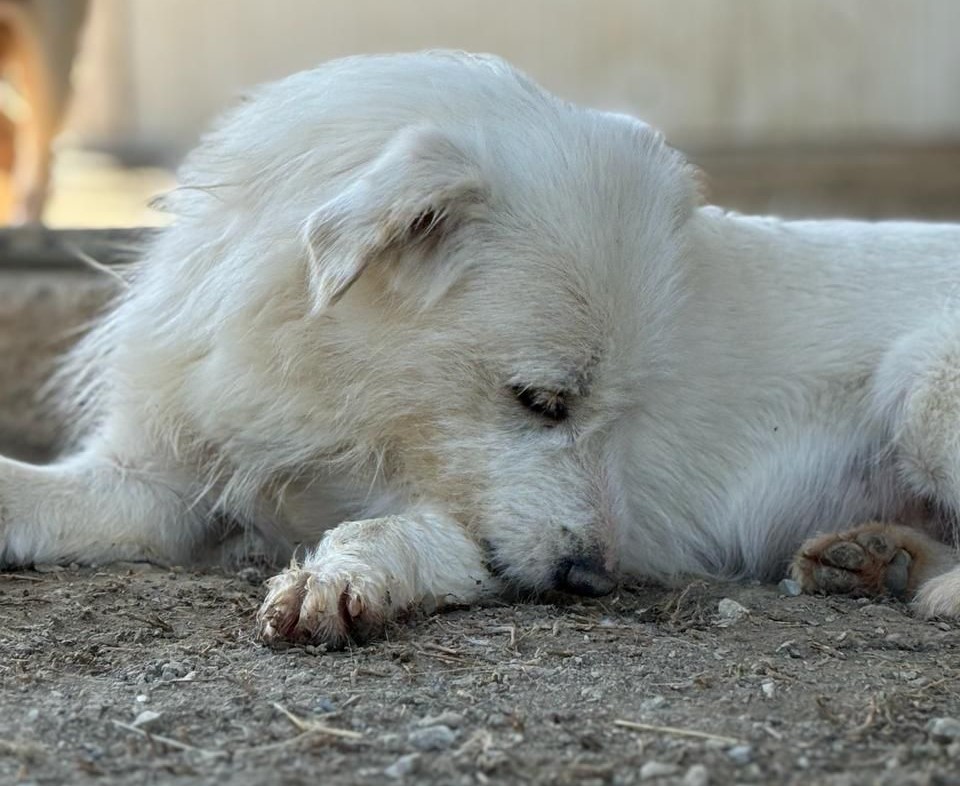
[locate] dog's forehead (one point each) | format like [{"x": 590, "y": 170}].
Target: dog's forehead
[
  {"x": 569, "y": 270},
  {"x": 544, "y": 323},
  {"x": 595, "y": 194},
  {"x": 588, "y": 163},
  {"x": 557, "y": 287}
]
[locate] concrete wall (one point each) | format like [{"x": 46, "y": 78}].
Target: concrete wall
[{"x": 710, "y": 72}]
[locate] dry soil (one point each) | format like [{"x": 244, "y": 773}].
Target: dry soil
[{"x": 137, "y": 674}]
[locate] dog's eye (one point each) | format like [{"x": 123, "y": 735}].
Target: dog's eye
[{"x": 549, "y": 404}]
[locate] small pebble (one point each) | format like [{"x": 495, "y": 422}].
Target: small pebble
[
  {"x": 944, "y": 729},
  {"x": 172, "y": 671},
  {"x": 740, "y": 754},
  {"x": 145, "y": 718},
  {"x": 697, "y": 775},
  {"x": 731, "y": 611},
  {"x": 653, "y": 703},
  {"x": 790, "y": 588},
  {"x": 657, "y": 769},
  {"x": 432, "y": 738},
  {"x": 405, "y": 765},
  {"x": 769, "y": 688},
  {"x": 388, "y": 740},
  {"x": 452, "y": 719}
]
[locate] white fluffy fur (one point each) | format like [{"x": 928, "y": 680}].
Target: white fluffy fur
[{"x": 369, "y": 257}]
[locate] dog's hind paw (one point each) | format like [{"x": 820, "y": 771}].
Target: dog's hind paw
[
  {"x": 940, "y": 596},
  {"x": 874, "y": 559},
  {"x": 315, "y": 607}
]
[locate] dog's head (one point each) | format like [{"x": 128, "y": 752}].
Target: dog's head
[{"x": 489, "y": 281}]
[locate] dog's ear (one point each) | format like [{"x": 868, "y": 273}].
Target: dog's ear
[{"x": 415, "y": 192}]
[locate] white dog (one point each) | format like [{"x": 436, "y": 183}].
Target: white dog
[{"x": 482, "y": 337}]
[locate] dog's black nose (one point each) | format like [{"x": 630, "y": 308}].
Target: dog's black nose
[{"x": 584, "y": 576}]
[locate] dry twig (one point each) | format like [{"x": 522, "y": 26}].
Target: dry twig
[
  {"x": 305, "y": 726},
  {"x": 168, "y": 741},
  {"x": 705, "y": 735}
]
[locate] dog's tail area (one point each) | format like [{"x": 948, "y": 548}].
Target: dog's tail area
[{"x": 91, "y": 509}]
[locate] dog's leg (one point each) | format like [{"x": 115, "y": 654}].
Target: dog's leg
[
  {"x": 89, "y": 509},
  {"x": 917, "y": 394},
  {"x": 940, "y": 596},
  {"x": 365, "y": 572},
  {"x": 918, "y": 385},
  {"x": 873, "y": 559}
]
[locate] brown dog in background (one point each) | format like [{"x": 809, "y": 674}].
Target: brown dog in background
[{"x": 38, "y": 43}]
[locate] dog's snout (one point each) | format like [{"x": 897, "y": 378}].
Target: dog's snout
[{"x": 584, "y": 576}]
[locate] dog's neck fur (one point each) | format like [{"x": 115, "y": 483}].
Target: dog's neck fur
[
  {"x": 751, "y": 276},
  {"x": 780, "y": 320}
]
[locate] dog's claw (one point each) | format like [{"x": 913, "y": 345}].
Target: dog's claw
[
  {"x": 898, "y": 573},
  {"x": 306, "y": 607}
]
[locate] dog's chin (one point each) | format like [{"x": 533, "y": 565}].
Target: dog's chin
[{"x": 581, "y": 575}]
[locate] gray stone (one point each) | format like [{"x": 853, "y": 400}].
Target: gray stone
[
  {"x": 652, "y": 704},
  {"x": 697, "y": 775},
  {"x": 944, "y": 729},
  {"x": 432, "y": 738},
  {"x": 452, "y": 719},
  {"x": 740, "y": 754},
  {"x": 790, "y": 588},
  {"x": 173, "y": 670},
  {"x": 405, "y": 765},
  {"x": 657, "y": 769},
  {"x": 145, "y": 718},
  {"x": 731, "y": 611}
]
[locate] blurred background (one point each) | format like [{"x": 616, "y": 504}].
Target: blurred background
[
  {"x": 794, "y": 107},
  {"x": 801, "y": 107}
]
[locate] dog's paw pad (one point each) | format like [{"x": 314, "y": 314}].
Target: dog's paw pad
[
  {"x": 304, "y": 607},
  {"x": 881, "y": 545},
  {"x": 844, "y": 554},
  {"x": 867, "y": 561}
]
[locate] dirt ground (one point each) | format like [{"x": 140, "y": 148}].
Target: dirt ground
[{"x": 138, "y": 674}]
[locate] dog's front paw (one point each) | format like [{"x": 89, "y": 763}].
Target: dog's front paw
[
  {"x": 875, "y": 559},
  {"x": 320, "y": 607}
]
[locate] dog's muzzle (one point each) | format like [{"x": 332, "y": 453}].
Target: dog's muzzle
[{"x": 584, "y": 576}]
